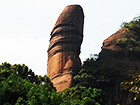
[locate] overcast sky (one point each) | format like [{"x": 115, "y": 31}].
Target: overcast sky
[{"x": 25, "y": 27}]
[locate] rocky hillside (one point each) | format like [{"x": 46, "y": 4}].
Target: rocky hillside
[{"x": 122, "y": 49}]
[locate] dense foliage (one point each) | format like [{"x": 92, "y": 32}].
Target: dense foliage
[
  {"x": 20, "y": 86},
  {"x": 129, "y": 44},
  {"x": 133, "y": 25},
  {"x": 79, "y": 95},
  {"x": 23, "y": 71},
  {"x": 94, "y": 75},
  {"x": 131, "y": 39},
  {"x": 133, "y": 84}
]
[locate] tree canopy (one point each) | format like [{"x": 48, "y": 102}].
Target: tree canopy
[
  {"x": 20, "y": 86},
  {"x": 93, "y": 74}
]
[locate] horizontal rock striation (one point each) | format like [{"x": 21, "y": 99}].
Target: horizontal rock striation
[{"x": 65, "y": 45}]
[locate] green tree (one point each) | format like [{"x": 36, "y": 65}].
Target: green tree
[
  {"x": 131, "y": 39},
  {"x": 83, "y": 96},
  {"x": 12, "y": 88},
  {"x": 17, "y": 88},
  {"x": 23, "y": 71},
  {"x": 20, "y": 86},
  {"x": 94, "y": 75},
  {"x": 133, "y": 85},
  {"x": 42, "y": 95}
]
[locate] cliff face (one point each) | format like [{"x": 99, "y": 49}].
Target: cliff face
[
  {"x": 64, "y": 48},
  {"x": 122, "y": 51}
]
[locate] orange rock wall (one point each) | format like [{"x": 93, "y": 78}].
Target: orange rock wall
[{"x": 64, "y": 48}]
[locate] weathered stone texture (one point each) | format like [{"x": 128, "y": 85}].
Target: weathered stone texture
[
  {"x": 122, "y": 59},
  {"x": 119, "y": 57},
  {"x": 64, "y": 48}
]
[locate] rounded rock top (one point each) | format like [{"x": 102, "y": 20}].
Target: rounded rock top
[{"x": 72, "y": 15}]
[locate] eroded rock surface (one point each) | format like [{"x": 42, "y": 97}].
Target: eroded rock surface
[
  {"x": 64, "y": 48},
  {"x": 121, "y": 51}
]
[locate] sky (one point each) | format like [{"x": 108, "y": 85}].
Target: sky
[{"x": 25, "y": 27}]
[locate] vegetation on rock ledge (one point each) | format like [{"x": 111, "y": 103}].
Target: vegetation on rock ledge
[{"x": 131, "y": 39}]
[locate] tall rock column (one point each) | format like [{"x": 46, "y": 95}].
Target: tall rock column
[{"x": 64, "y": 48}]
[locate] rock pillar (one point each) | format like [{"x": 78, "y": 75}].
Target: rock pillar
[{"x": 64, "y": 48}]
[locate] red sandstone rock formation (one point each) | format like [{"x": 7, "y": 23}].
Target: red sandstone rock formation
[
  {"x": 64, "y": 48},
  {"x": 123, "y": 56}
]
